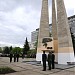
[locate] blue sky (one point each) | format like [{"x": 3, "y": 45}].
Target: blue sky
[{"x": 18, "y": 18}]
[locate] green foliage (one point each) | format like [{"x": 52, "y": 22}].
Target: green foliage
[
  {"x": 6, "y": 50},
  {"x": 5, "y": 70},
  {"x": 17, "y": 50},
  {"x": 31, "y": 53},
  {"x": 26, "y": 47},
  {"x": 10, "y": 49},
  {"x": 0, "y": 50}
]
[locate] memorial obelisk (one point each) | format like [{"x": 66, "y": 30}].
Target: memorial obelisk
[
  {"x": 44, "y": 28},
  {"x": 65, "y": 47},
  {"x": 54, "y": 31}
]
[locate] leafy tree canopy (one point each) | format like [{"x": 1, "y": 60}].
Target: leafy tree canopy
[
  {"x": 26, "y": 47},
  {"x": 6, "y": 50}
]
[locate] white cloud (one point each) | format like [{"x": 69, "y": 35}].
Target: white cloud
[
  {"x": 70, "y": 6},
  {"x": 3, "y": 44},
  {"x": 18, "y": 18},
  {"x": 18, "y": 24}
]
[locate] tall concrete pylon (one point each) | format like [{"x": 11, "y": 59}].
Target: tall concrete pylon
[
  {"x": 65, "y": 47},
  {"x": 54, "y": 31},
  {"x": 44, "y": 27}
]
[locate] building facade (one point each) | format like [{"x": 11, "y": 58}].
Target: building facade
[
  {"x": 34, "y": 37},
  {"x": 34, "y": 34},
  {"x": 71, "y": 21}
]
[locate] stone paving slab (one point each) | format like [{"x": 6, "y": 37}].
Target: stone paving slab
[
  {"x": 16, "y": 68},
  {"x": 57, "y": 66},
  {"x": 60, "y": 66},
  {"x": 29, "y": 69},
  {"x": 30, "y": 72},
  {"x": 71, "y": 69},
  {"x": 47, "y": 71},
  {"x": 64, "y": 73}
]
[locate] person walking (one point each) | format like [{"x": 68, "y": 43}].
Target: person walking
[
  {"x": 14, "y": 57},
  {"x": 17, "y": 57},
  {"x": 49, "y": 60},
  {"x": 44, "y": 58},
  {"x": 53, "y": 58},
  {"x": 11, "y": 55}
]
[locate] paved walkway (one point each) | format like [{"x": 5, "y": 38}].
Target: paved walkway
[{"x": 29, "y": 69}]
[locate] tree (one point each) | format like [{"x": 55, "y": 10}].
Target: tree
[
  {"x": 26, "y": 47},
  {"x": 6, "y": 50},
  {"x": 0, "y": 50},
  {"x": 17, "y": 50},
  {"x": 10, "y": 48},
  {"x": 31, "y": 53}
]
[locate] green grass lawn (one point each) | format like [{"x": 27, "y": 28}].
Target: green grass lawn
[{"x": 5, "y": 70}]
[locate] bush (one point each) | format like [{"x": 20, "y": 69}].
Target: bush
[
  {"x": 5, "y": 70},
  {"x": 31, "y": 53},
  {"x": 1, "y": 50},
  {"x": 6, "y": 50},
  {"x": 17, "y": 50}
]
